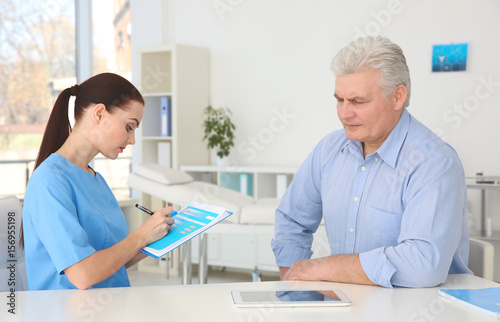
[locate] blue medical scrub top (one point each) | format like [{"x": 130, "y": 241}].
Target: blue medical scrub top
[{"x": 68, "y": 214}]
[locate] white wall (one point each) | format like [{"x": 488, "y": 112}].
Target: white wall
[
  {"x": 275, "y": 55},
  {"x": 272, "y": 57}
]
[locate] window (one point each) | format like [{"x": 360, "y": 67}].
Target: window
[
  {"x": 37, "y": 61},
  {"x": 112, "y": 53}
]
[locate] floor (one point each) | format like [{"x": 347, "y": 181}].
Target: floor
[{"x": 215, "y": 275}]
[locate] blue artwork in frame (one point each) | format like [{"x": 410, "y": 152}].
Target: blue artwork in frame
[{"x": 449, "y": 58}]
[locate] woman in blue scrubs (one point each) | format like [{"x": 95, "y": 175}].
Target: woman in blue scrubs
[{"x": 74, "y": 232}]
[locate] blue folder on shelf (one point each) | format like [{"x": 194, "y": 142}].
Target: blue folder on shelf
[
  {"x": 191, "y": 221},
  {"x": 166, "y": 117}
]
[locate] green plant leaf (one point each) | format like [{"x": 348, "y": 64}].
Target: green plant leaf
[{"x": 218, "y": 130}]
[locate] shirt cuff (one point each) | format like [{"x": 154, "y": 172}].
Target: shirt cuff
[
  {"x": 286, "y": 255},
  {"x": 377, "y": 267}
]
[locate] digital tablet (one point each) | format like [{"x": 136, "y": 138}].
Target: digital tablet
[{"x": 289, "y": 298}]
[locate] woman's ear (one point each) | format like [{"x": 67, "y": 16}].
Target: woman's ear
[{"x": 98, "y": 112}]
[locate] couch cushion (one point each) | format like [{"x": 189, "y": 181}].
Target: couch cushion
[
  {"x": 261, "y": 212},
  {"x": 204, "y": 192},
  {"x": 222, "y": 197},
  {"x": 162, "y": 174}
]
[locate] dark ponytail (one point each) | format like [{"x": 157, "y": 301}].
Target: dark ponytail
[{"x": 57, "y": 129}]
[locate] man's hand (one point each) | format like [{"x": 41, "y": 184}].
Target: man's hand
[
  {"x": 302, "y": 270},
  {"x": 336, "y": 268}
]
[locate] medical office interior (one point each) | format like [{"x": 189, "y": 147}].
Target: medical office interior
[{"x": 268, "y": 63}]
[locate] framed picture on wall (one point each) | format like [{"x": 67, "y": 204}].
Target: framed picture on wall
[{"x": 449, "y": 58}]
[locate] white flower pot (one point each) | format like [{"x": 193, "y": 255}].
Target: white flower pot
[{"x": 218, "y": 161}]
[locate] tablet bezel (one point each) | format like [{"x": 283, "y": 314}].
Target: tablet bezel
[{"x": 238, "y": 300}]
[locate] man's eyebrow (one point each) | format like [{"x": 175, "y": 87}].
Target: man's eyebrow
[
  {"x": 355, "y": 98},
  {"x": 136, "y": 121}
]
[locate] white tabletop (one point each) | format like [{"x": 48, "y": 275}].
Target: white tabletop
[{"x": 212, "y": 302}]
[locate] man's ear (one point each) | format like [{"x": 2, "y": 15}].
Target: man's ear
[
  {"x": 98, "y": 112},
  {"x": 399, "y": 97}
]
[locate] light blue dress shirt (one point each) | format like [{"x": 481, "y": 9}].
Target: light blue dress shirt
[
  {"x": 68, "y": 214},
  {"x": 402, "y": 208}
]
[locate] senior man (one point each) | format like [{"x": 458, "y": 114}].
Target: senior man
[{"x": 392, "y": 194}]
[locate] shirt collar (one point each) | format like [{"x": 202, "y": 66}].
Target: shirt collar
[
  {"x": 389, "y": 150},
  {"x": 354, "y": 147}
]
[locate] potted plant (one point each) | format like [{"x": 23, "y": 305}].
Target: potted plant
[{"x": 219, "y": 130}]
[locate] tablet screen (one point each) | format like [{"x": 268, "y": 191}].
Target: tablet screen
[{"x": 290, "y": 297}]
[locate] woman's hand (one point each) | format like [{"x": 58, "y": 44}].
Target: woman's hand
[
  {"x": 104, "y": 263},
  {"x": 156, "y": 227}
]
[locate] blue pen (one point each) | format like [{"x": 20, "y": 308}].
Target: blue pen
[{"x": 146, "y": 210}]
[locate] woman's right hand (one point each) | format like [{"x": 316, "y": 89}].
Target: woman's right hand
[{"x": 156, "y": 227}]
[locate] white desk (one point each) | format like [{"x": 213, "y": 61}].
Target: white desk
[{"x": 212, "y": 302}]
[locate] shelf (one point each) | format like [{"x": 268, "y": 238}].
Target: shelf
[
  {"x": 484, "y": 186},
  {"x": 169, "y": 94},
  {"x": 157, "y": 138},
  {"x": 240, "y": 169},
  {"x": 181, "y": 73},
  {"x": 262, "y": 181},
  {"x": 475, "y": 182},
  {"x": 248, "y": 246},
  {"x": 156, "y": 71},
  {"x": 495, "y": 236}
]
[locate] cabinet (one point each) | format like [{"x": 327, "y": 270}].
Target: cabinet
[
  {"x": 177, "y": 74},
  {"x": 485, "y": 230},
  {"x": 237, "y": 245},
  {"x": 249, "y": 246}
]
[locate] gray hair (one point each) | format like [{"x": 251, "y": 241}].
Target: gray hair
[{"x": 378, "y": 53}]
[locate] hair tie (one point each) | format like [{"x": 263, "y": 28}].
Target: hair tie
[{"x": 74, "y": 90}]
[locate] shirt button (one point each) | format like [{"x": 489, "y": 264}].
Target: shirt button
[
  {"x": 363, "y": 168},
  {"x": 351, "y": 230},
  {"x": 356, "y": 198},
  {"x": 376, "y": 159}
]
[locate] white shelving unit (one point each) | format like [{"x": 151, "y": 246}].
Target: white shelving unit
[
  {"x": 483, "y": 187},
  {"x": 263, "y": 182},
  {"x": 245, "y": 246},
  {"x": 180, "y": 73},
  {"x": 249, "y": 247}
]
